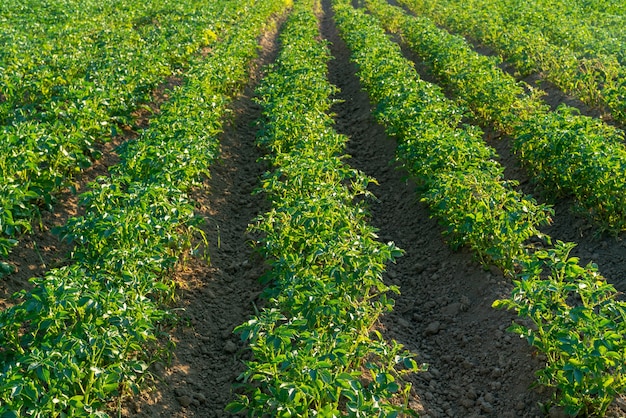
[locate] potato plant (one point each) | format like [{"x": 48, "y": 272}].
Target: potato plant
[
  {"x": 577, "y": 320},
  {"x": 315, "y": 352},
  {"x": 568, "y": 153},
  {"x": 578, "y": 323},
  {"x": 68, "y": 85},
  {"x": 589, "y": 66},
  {"x": 462, "y": 182},
  {"x": 87, "y": 332}
]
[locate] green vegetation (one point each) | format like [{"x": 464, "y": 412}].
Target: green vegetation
[
  {"x": 462, "y": 183},
  {"x": 580, "y": 51},
  {"x": 87, "y": 332},
  {"x": 578, "y": 323},
  {"x": 567, "y": 153},
  {"x": 71, "y": 75},
  {"x": 315, "y": 353},
  {"x": 576, "y": 318}
]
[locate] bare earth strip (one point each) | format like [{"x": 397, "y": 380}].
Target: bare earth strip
[{"x": 218, "y": 296}]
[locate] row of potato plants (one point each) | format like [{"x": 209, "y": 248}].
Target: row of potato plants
[
  {"x": 562, "y": 23},
  {"x": 597, "y": 78},
  {"x": 68, "y": 85},
  {"x": 315, "y": 349},
  {"x": 566, "y": 23},
  {"x": 73, "y": 49},
  {"x": 568, "y": 153},
  {"x": 576, "y": 319},
  {"x": 462, "y": 182},
  {"x": 87, "y": 332},
  {"x": 611, "y": 7}
]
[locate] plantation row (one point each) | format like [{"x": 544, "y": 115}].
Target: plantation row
[
  {"x": 325, "y": 290},
  {"x": 577, "y": 321},
  {"x": 569, "y": 154},
  {"x": 88, "y": 331},
  {"x": 611, "y": 7},
  {"x": 67, "y": 85},
  {"x": 565, "y": 24},
  {"x": 580, "y": 52}
]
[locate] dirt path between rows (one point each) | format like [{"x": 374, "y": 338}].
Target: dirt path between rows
[{"x": 217, "y": 296}]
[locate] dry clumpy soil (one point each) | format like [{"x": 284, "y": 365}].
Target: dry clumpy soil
[{"x": 444, "y": 314}]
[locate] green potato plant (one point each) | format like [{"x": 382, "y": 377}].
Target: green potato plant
[
  {"x": 314, "y": 348},
  {"x": 569, "y": 154}
]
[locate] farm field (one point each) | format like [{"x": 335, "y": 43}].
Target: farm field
[{"x": 235, "y": 236}]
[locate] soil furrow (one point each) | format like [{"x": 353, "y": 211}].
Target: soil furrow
[
  {"x": 217, "y": 296},
  {"x": 444, "y": 313}
]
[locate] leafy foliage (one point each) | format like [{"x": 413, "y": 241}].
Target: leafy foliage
[
  {"x": 315, "y": 353},
  {"x": 578, "y": 49},
  {"x": 68, "y": 85},
  {"x": 462, "y": 183},
  {"x": 578, "y": 323},
  {"x": 568, "y": 153},
  {"x": 88, "y": 331}
]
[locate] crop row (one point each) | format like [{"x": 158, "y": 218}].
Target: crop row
[
  {"x": 79, "y": 51},
  {"x": 462, "y": 182},
  {"x": 68, "y": 85},
  {"x": 597, "y": 79},
  {"x": 611, "y": 7},
  {"x": 315, "y": 352},
  {"x": 88, "y": 331},
  {"x": 568, "y": 153},
  {"x": 564, "y": 24},
  {"x": 576, "y": 320}
]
